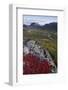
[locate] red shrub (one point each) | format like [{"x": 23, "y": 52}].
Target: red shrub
[{"x": 33, "y": 65}]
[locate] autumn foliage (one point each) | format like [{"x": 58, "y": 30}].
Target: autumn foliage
[{"x": 33, "y": 65}]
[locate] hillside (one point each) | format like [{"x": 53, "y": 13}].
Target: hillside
[
  {"x": 45, "y": 35},
  {"x": 51, "y": 26}
]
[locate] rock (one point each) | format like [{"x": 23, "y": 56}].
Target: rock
[{"x": 33, "y": 52}]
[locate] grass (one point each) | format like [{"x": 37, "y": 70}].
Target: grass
[{"x": 46, "y": 39}]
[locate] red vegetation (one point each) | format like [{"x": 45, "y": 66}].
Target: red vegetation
[{"x": 33, "y": 65}]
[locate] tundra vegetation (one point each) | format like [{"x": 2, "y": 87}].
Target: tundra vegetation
[{"x": 47, "y": 38}]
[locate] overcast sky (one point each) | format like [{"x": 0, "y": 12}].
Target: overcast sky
[{"x": 28, "y": 19}]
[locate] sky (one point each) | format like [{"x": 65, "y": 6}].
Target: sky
[{"x": 28, "y": 19}]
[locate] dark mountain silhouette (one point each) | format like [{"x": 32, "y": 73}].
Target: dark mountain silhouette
[
  {"x": 24, "y": 25},
  {"x": 35, "y": 26},
  {"x": 51, "y": 26}
]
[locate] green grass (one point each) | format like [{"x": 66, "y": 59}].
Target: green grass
[{"x": 46, "y": 39}]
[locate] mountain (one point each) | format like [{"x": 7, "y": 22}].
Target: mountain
[
  {"x": 35, "y": 26},
  {"x": 51, "y": 26},
  {"x": 24, "y": 25}
]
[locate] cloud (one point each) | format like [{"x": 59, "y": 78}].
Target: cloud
[{"x": 28, "y": 19}]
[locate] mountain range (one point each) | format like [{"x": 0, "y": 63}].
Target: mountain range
[{"x": 33, "y": 26}]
